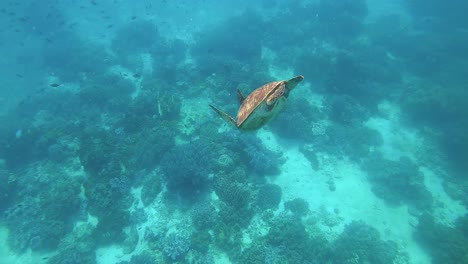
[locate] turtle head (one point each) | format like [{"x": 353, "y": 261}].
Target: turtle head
[
  {"x": 281, "y": 91},
  {"x": 293, "y": 82}
]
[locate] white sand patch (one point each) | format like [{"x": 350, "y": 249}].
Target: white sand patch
[
  {"x": 353, "y": 198},
  {"x": 221, "y": 258},
  {"x": 268, "y": 139},
  {"x": 111, "y": 255},
  {"x": 398, "y": 140},
  {"x": 277, "y": 72}
]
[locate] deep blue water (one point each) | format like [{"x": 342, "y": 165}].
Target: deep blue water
[{"x": 109, "y": 152}]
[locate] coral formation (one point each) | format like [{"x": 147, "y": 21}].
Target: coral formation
[
  {"x": 361, "y": 243},
  {"x": 176, "y": 245},
  {"x": 398, "y": 181},
  {"x": 298, "y": 206},
  {"x": 268, "y": 196},
  {"x": 259, "y": 158},
  {"x": 203, "y": 215},
  {"x": 187, "y": 169},
  {"x": 443, "y": 243}
]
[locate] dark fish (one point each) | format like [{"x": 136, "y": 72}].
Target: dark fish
[
  {"x": 19, "y": 75},
  {"x": 134, "y": 17},
  {"x": 136, "y": 75},
  {"x": 54, "y": 85}
]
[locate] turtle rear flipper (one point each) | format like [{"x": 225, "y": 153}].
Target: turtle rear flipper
[{"x": 225, "y": 116}]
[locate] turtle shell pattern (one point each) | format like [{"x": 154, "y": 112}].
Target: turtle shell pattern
[{"x": 256, "y": 98}]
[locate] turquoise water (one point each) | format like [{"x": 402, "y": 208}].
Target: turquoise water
[{"x": 110, "y": 153}]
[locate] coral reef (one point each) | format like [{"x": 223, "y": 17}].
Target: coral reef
[
  {"x": 268, "y": 196},
  {"x": 104, "y": 100},
  {"x": 7, "y": 188},
  {"x": 289, "y": 238},
  {"x": 297, "y": 124},
  {"x": 398, "y": 182},
  {"x": 260, "y": 159},
  {"x": 361, "y": 243},
  {"x": 152, "y": 186},
  {"x": 110, "y": 228},
  {"x": 203, "y": 215},
  {"x": 298, "y": 206},
  {"x": 41, "y": 216},
  {"x": 346, "y": 110},
  {"x": 187, "y": 169},
  {"x": 353, "y": 141},
  {"x": 201, "y": 241},
  {"x": 176, "y": 245},
  {"x": 232, "y": 191},
  {"x": 444, "y": 244},
  {"x": 77, "y": 247}
]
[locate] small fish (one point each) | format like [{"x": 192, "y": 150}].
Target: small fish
[
  {"x": 136, "y": 75},
  {"x": 54, "y": 85},
  {"x": 134, "y": 17},
  {"x": 19, "y": 75},
  {"x": 18, "y": 133}
]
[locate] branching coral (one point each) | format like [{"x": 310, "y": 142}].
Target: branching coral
[
  {"x": 186, "y": 168},
  {"x": 176, "y": 245},
  {"x": 259, "y": 158},
  {"x": 289, "y": 239},
  {"x": 231, "y": 192},
  {"x": 76, "y": 248},
  {"x": 43, "y": 210},
  {"x": 204, "y": 215},
  {"x": 362, "y": 242}
]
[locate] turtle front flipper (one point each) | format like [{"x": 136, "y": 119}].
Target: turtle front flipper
[
  {"x": 240, "y": 96},
  {"x": 225, "y": 116}
]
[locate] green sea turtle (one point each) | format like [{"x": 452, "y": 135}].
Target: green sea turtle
[{"x": 261, "y": 105}]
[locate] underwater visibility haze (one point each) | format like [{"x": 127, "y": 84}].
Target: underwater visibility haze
[{"x": 111, "y": 153}]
